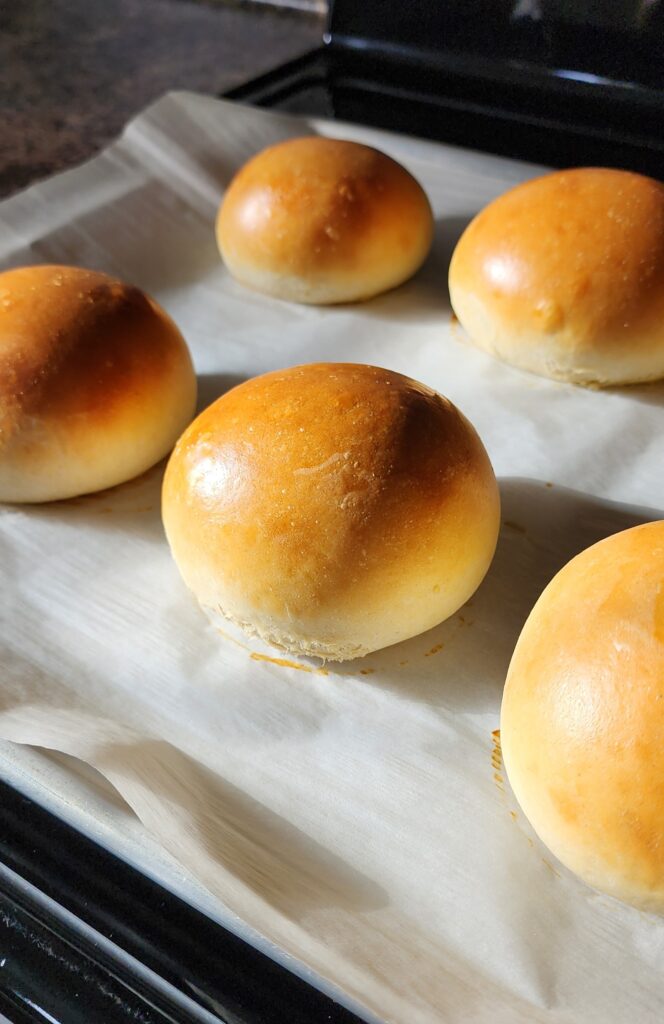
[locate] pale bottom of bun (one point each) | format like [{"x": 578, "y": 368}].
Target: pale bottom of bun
[
  {"x": 66, "y": 478},
  {"x": 345, "y": 636},
  {"x": 387, "y": 610},
  {"x": 54, "y": 462},
  {"x": 291, "y": 643},
  {"x": 555, "y": 355},
  {"x": 322, "y": 290}
]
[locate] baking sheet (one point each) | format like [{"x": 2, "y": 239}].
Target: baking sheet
[{"x": 352, "y": 818}]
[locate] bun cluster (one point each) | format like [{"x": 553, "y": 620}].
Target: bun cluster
[{"x": 333, "y": 509}]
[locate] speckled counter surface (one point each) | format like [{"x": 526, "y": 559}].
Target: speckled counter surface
[{"x": 73, "y": 72}]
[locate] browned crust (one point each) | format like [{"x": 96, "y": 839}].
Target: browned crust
[
  {"x": 324, "y": 210},
  {"x": 318, "y": 492},
  {"x": 82, "y": 356},
  {"x": 565, "y": 275}
]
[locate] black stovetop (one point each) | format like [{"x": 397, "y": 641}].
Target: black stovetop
[{"x": 529, "y": 79}]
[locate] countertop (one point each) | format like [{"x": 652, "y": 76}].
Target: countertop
[{"x": 73, "y": 72}]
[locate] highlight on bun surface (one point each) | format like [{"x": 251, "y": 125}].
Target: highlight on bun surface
[
  {"x": 96, "y": 383},
  {"x": 321, "y": 221},
  {"x": 582, "y": 721},
  {"x": 331, "y": 509},
  {"x": 564, "y": 276}
]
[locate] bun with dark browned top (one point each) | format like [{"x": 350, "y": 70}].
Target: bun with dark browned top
[
  {"x": 332, "y": 509},
  {"x": 96, "y": 383}
]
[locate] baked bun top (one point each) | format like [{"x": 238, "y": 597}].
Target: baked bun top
[
  {"x": 564, "y": 276},
  {"x": 322, "y": 220}
]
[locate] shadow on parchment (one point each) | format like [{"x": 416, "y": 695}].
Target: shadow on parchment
[
  {"x": 425, "y": 296},
  {"x": 542, "y": 528},
  {"x": 286, "y": 867},
  {"x": 213, "y": 385},
  {"x": 89, "y": 776},
  {"x": 649, "y": 394}
]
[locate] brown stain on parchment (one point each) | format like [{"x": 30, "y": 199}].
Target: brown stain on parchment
[
  {"x": 499, "y": 779},
  {"x": 497, "y": 761},
  {"x": 285, "y": 663},
  {"x": 550, "y": 867}
]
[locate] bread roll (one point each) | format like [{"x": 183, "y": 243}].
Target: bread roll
[
  {"x": 582, "y": 724},
  {"x": 96, "y": 383},
  {"x": 332, "y": 509},
  {"x": 321, "y": 221},
  {"x": 564, "y": 276}
]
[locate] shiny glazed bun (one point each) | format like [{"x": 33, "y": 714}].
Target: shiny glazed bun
[
  {"x": 96, "y": 383},
  {"x": 582, "y": 724},
  {"x": 564, "y": 276},
  {"x": 332, "y": 509},
  {"x": 320, "y": 221}
]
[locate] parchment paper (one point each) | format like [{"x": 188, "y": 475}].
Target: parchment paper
[{"x": 354, "y": 817}]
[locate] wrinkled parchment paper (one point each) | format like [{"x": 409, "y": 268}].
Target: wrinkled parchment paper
[{"x": 354, "y": 819}]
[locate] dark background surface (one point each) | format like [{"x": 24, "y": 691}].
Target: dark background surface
[
  {"x": 510, "y": 76},
  {"x": 73, "y": 72}
]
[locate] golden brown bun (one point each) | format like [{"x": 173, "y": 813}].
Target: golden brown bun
[
  {"x": 333, "y": 509},
  {"x": 582, "y": 725},
  {"x": 321, "y": 221},
  {"x": 96, "y": 383},
  {"x": 564, "y": 276}
]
